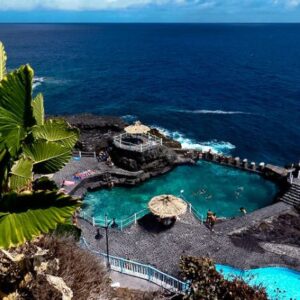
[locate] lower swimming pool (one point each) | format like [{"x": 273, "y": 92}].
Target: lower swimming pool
[
  {"x": 206, "y": 185},
  {"x": 280, "y": 283}
]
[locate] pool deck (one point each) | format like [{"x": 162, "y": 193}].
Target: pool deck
[
  {"x": 87, "y": 163},
  {"x": 188, "y": 236},
  {"x": 145, "y": 243}
]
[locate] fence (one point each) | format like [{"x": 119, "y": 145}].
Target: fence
[
  {"x": 142, "y": 271},
  {"x": 122, "y": 223},
  {"x": 149, "y": 141},
  {"x": 196, "y": 213},
  {"x": 83, "y": 154}
]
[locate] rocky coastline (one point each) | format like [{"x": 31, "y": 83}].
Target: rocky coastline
[
  {"x": 128, "y": 168},
  {"x": 261, "y": 230},
  {"x": 132, "y": 167}
]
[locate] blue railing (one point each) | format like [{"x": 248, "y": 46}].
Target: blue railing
[{"x": 142, "y": 271}]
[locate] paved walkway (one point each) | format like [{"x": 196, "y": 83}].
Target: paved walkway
[
  {"x": 147, "y": 244},
  {"x": 87, "y": 163},
  {"x": 130, "y": 282}
]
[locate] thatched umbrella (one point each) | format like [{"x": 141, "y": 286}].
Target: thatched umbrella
[
  {"x": 167, "y": 206},
  {"x": 137, "y": 128}
]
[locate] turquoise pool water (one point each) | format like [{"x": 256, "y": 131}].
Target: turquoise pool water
[
  {"x": 280, "y": 283},
  {"x": 206, "y": 185}
]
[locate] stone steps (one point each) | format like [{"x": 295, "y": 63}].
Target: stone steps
[{"x": 292, "y": 196}]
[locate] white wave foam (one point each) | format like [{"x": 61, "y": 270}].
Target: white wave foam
[
  {"x": 37, "y": 81},
  {"x": 215, "y": 112},
  {"x": 129, "y": 118},
  {"x": 214, "y": 146}
]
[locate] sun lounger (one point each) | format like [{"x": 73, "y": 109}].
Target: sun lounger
[
  {"x": 68, "y": 183},
  {"x": 84, "y": 174}
]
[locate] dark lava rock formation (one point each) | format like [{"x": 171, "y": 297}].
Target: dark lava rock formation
[
  {"x": 152, "y": 160},
  {"x": 96, "y": 132},
  {"x": 166, "y": 140}
]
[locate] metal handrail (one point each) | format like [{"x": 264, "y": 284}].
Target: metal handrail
[
  {"x": 196, "y": 213},
  {"x": 123, "y": 222},
  {"x": 134, "y": 217},
  {"x": 84, "y": 153},
  {"x": 147, "y": 272},
  {"x": 140, "y": 148}
]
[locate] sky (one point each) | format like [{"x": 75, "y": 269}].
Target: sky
[{"x": 149, "y": 11}]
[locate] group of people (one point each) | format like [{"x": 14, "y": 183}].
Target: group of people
[
  {"x": 103, "y": 156},
  {"x": 211, "y": 217}
]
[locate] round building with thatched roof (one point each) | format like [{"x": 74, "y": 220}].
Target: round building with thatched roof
[
  {"x": 167, "y": 207},
  {"x": 136, "y": 138}
]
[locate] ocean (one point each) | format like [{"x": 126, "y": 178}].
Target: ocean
[{"x": 234, "y": 88}]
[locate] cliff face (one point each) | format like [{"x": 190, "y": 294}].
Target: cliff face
[{"x": 152, "y": 160}]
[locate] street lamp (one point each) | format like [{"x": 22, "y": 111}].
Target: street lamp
[
  {"x": 113, "y": 224},
  {"x": 106, "y": 234}
]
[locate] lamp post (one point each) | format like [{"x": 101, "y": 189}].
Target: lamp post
[
  {"x": 106, "y": 235},
  {"x": 113, "y": 224}
]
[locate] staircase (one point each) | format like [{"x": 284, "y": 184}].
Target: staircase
[{"x": 292, "y": 196}]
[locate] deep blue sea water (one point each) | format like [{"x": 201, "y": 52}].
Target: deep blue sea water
[{"x": 232, "y": 87}]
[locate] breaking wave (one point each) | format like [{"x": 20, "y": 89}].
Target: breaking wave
[
  {"x": 213, "y": 145},
  {"x": 215, "y": 112},
  {"x": 37, "y": 81}
]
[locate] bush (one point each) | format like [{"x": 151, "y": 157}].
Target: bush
[
  {"x": 63, "y": 230},
  {"x": 208, "y": 283}
]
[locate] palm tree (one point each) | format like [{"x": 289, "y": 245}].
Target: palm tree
[{"x": 29, "y": 145}]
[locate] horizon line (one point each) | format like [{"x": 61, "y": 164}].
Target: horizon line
[{"x": 152, "y": 22}]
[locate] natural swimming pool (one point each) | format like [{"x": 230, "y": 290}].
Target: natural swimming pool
[
  {"x": 280, "y": 283},
  {"x": 206, "y": 185}
]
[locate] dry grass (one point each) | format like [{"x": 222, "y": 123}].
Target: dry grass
[{"x": 81, "y": 271}]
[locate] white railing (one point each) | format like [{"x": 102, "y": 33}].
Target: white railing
[
  {"x": 150, "y": 142},
  {"x": 142, "y": 271},
  {"x": 84, "y": 154},
  {"x": 192, "y": 209},
  {"x": 133, "y": 218},
  {"x": 123, "y": 223},
  {"x": 196, "y": 213}
]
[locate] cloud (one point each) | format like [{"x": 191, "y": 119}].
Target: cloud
[
  {"x": 287, "y": 3},
  {"x": 102, "y": 5},
  {"x": 78, "y": 5}
]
